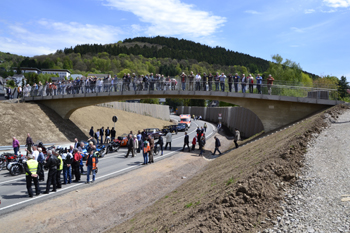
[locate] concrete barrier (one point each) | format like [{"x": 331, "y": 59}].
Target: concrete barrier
[
  {"x": 154, "y": 110},
  {"x": 243, "y": 119}
]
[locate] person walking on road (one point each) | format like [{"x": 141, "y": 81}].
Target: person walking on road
[
  {"x": 32, "y": 168},
  {"x": 130, "y": 145},
  {"x": 201, "y": 145},
  {"x": 237, "y": 137},
  {"x": 29, "y": 143},
  {"x": 52, "y": 164},
  {"x": 160, "y": 142},
  {"x": 146, "y": 149},
  {"x": 217, "y": 145},
  {"x": 15, "y": 145},
  {"x": 186, "y": 142},
  {"x": 205, "y": 127},
  {"x": 151, "y": 144},
  {"x": 169, "y": 138},
  {"x": 91, "y": 164},
  {"x": 194, "y": 141}
]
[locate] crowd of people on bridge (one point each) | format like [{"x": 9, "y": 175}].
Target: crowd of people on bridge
[{"x": 158, "y": 82}]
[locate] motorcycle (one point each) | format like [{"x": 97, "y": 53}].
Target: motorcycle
[
  {"x": 112, "y": 147},
  {"x": 6, "y": 159},
  {"x": 101, "y": 151},
  {"x": 17, "y": 167},
  {"x": 43, "y": 148}
]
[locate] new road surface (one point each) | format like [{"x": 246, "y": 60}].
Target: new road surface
[{"x": 13, "y": 191}]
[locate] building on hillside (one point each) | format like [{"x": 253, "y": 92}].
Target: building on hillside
[
  {"x": 61, "y": 73},
  {"x": 17, "y": 78},
  {"x": 99, "y": 75},
  {"x": 27, "y": 70}
]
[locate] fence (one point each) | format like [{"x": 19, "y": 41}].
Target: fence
[
  {"x": 279, "y": 88},
  {"x": 232, "y": 117},
  {"x": 154, "y": 110}
]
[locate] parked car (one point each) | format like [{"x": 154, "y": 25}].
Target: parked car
[
  {"x": 182, "y": 127},
  {"x": 171, "y": 128},
  {"x": 154, "y": 132}
]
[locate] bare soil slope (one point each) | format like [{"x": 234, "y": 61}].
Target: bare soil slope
[
  {"x": 237, "y": 192},
  {"x": 18, "y": 119}
]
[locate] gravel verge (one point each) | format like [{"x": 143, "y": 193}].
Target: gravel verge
[{"x": 320, "y": 199}]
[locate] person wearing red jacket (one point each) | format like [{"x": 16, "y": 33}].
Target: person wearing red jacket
[{"x": 76, "y": 162}]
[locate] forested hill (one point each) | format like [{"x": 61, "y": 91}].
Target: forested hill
[{"x": 174, "y": 48}]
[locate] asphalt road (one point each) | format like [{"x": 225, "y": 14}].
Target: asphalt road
[{"x": 13, "y": 189}]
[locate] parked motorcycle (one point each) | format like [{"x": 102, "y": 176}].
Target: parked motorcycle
[
  {"x": 17, "y": 167},
  {"x": 6, "y": 159},
  {"x": 43, "y": 148},
  {"x": 112, "y": 147},
  {"x": 101, "y": 151}
]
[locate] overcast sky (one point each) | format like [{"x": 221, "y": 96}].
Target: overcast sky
[{"x": 314, "y": 33}]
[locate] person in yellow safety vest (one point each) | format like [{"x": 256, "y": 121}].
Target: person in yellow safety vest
[
  {"x": 146, "y": 150},
  {"x": 32, "y": 169},
  {"x": 59, "y": 171},
  {"x": 91, "y": 163}
]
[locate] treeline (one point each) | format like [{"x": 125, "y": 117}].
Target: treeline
[
  {"x": 104, "y": 62},
  {"x": 174, "y": 48}
]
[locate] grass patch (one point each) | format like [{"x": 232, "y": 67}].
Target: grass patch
[
  {"x": 189, "y": 205},
  {"x": 166, "y": 196},
  {"x": 230, "y": 181}
]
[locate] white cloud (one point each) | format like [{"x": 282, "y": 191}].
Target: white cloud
[
  {"x": 337, "y": 3},
  {"x": 330, "y": 11},
  {"x": 252, "y": 12},
  {"x": 299, "y": 30},
  {"x": 170, "y": 17},
  {"x": 54, "y": 35},
  {"x": 309, "y": 11}
]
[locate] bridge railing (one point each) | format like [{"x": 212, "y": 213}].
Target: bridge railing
[{"x": 177, "y": 85}]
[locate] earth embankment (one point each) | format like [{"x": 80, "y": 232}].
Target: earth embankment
[
  {"x": 43, "y": 124},
  {"x": 239, "y": 191}
]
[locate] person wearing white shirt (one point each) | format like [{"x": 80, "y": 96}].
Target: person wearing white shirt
[
  {"x": 168, "y": 137},
  {"x": 35, "y": 153},
  {"x": 198, "y": 82}
]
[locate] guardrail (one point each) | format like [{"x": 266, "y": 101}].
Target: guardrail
[{"x": 177, "y": 85}]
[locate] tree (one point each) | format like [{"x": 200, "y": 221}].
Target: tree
[
  {"x": 343, "y": 85},
  {"x": 19, "y": 71},
  {"x": 150, "y": 101}
]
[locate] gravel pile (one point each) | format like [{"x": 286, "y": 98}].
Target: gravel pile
[{"x": 320, "y": 199}]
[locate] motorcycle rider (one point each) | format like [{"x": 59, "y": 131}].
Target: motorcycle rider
[
  {"x": 32, "y": 169},
  {"x": 52, "y": 164}
]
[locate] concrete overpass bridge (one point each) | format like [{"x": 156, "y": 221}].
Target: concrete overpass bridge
[{"x": 274, "y": 111}]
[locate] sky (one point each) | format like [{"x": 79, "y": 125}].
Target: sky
[{"x": 313, "y": 33}]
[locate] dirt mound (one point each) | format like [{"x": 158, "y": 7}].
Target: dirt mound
[
  {"x": 238, "y": 192},
  {"x": 43, "y": 124}
]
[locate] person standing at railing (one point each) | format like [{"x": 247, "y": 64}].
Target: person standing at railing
[
  {"x": 145, "y": 82},
  {"x": 258, "y": 83},
  {"x": 217, "y": 81},
  {"x": 210, "y": 81},
  {"x": 204, "y": 81},
  {"x": 222, "y": 81},
  {"x": 40, "y": 90},
  {"x": 191, "y": 79},
  {"x": 183, "y": 80},
  {"x": 251, "y": 83},
  {"x": 46, "y": 88},
  {"x": 124, "y": 80},
  {"x": 230, "y": 81},
  {"x": 198, "y": 82},
  {"x": 270, "y": 80},
  {"x": 54, "y": 89},
  {"x": 162, "y": 83},
  {"x": 139, "y": 83},
  {"x": 236, "y": 79},
  {"x": 244, "y": 82}
]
